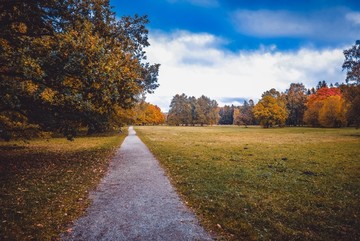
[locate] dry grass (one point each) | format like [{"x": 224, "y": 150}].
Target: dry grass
[
  {"x": 255, "y": 184},
  {"x": 44, "y": 184}
]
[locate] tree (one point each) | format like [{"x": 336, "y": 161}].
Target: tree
[
  {"x": 352, "y": 64},
  {"x": 180, "y": 111},
  {"x": 69, "y": 64},
  {"x": 153, "y": 115},
  {"x": 321, "y": 84},
  {"x": 236, "y": 116},
  {"x": 332, "y": 112},
  {"x": 351, "y": 94},
  {"x": 189, "y": 110},
  {"x": 244, "y": 114},
  {"x": 206, "y": 111},
  {"x": 295, "y": 103},
  {"x": 271, "y": 109},
  {"x": 326, "y": 108},
  {"x": 213, "y": 113},
  {"x": 226, "y": 115}
]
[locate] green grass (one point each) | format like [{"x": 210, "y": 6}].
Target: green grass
[
  {"x": 44, "y": 184},
  {"x": 262, "y": 184}
]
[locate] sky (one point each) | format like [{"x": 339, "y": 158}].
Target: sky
[{"x": 234, "y": 50}]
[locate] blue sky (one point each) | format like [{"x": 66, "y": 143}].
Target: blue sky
[{"x": 231, "y": 50}]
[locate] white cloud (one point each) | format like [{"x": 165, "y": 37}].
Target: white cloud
[
  {"x": 271, "y": 23},
  {"x": 330, "y": 25},
  {"x": 195, "y": 64},
  {"x": 353, "y": 17},
  {"x": 201, "y": 3}
]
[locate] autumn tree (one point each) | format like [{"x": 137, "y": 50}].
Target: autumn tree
[
  {"x": 332, "y": 112},
  {"x": 271, "y": 109},
  {"x": 243, "y": 115},
  {"x": 236, "y": 116},
  {"x": 148, "y": 114},
  {"x": 69, "y": 64},
  {"x": 296, "y": 103},
  {"x": 326, "y": 108}
]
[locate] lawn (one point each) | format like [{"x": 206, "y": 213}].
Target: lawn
[
  {"x": 44, "y": 184},
  {"x": 262, "y": 184}
]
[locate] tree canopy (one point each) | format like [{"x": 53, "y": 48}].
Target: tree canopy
[
  {"x": 326, "y": 108},
  {"x": 69, "y": 64},
  {"x": 271, "y": 109},
  {"x": 352, "y": 63},
  {"x": 186, "y": 110}
]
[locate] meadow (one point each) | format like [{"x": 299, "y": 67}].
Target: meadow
[
  {"x": 45, "y": 183},
  {"x": 265, "y": 184}
]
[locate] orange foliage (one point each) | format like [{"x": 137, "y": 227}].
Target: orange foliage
[{"x": 326, "y": 108}]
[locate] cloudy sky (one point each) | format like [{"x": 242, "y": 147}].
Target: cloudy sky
[{"x": 231, "y": 50}]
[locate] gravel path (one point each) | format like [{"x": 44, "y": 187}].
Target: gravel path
[{"x": 135, "y": 201}]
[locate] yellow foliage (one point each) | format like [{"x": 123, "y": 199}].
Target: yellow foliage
[
  {"x": 19, "y": 27},
  {"x": 30, "y": 87},
  {"x": 48, "y": 95},
  {"x": 270, "y": 111},
  {"x": 332, "y": 112},
  {"x": 72, "y": 82}
]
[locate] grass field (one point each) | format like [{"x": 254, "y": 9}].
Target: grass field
[
  {"x": 44, "y": 184},
  {"x": 262, "y": 184}
]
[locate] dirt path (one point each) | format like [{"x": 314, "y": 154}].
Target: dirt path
[{"x": 135, "y": 201}]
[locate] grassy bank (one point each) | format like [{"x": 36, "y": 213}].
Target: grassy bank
[
  {"x": 261, "y": 184},
  {"x": 44, "y": 184}
]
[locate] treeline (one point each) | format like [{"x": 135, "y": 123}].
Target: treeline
[
  {"x": 323, "y": 106},
  {"x": 186, "y": 110},
  {"x": 67, "y": 65},
  {"x": 142, "y": 113}
]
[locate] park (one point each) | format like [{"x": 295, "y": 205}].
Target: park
[{"x": 179, "y": 120}]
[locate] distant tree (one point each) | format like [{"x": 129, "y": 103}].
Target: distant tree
[
  {"x": 351, "y": 94},
  {"x": 321, "y": 84},
  {"x": 180, "y": 112},
  {"x": 189, "y": 110},
  {"x": 153, "y": 114},
  {"x": 236, "y": 116},
  {"x": 271, "y": 109},
  {"x": 213, "y": 113},
  {"x": 226, "y": 115},
  {"x": 323, "y": 109},
  {"x": 202, "y": 106},
  {"x": 332, "y": 112},
  {"x": 206, "y": 111},
  {"x": 244, "y": 114},
  {"x": 352, "y": 64},
  {"x": 295, "y": 103},
  {"x": 272, "y": 92},
  {"x": 194, "y": 109}
]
